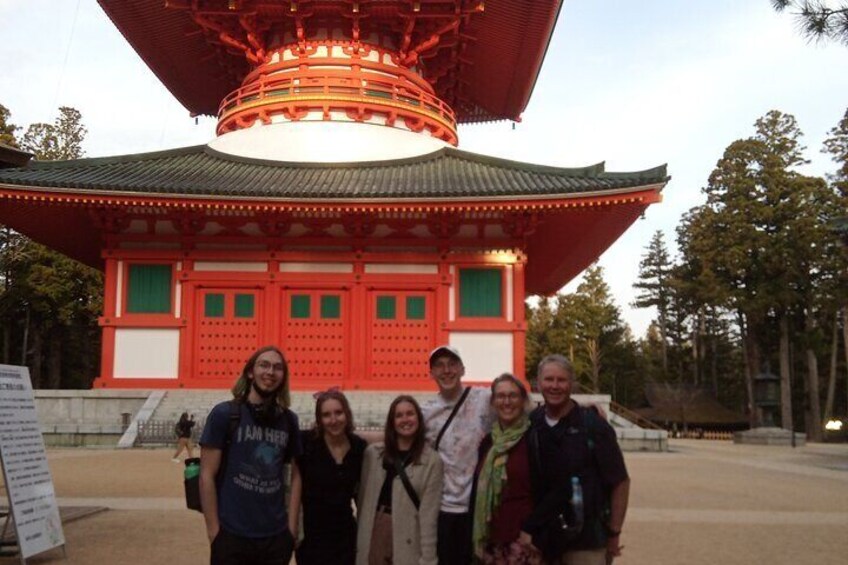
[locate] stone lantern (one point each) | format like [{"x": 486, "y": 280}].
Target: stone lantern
[{"x": 767, "y": 396}]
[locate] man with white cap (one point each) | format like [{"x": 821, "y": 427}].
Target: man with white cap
[{"x": 457, "y": 420}]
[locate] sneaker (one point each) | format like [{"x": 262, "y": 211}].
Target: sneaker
[{"x": 176, "y": 459}]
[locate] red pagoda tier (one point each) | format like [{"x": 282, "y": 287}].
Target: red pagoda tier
[{"x": 331, "y": 215}]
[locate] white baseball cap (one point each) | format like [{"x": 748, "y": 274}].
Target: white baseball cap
[{"x": 445, "y": 349}]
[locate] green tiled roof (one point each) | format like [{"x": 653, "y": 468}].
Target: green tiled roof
[{"x": 203, "y": 172}]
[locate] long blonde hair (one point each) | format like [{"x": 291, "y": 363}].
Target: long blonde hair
[{"x": 241, "y": 389}]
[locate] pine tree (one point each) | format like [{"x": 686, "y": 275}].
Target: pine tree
[
  {"x": 837, "y": 146},
  {"x": 654, "y": 274},
  {"x": 817, "y": 20},
  {"x": 50, "y": 301}
]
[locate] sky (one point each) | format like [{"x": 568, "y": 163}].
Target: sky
[{"x": 632, "y": 83}]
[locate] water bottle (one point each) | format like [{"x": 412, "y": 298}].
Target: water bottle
[{"x": 577, "y": 503}]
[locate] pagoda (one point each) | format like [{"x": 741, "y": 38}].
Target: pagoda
[{"x": 333, "y": 214}]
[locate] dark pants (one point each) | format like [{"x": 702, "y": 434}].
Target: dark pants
[
  {"x": 230, "y": 549},
  {"x": 454, "y": 545}
]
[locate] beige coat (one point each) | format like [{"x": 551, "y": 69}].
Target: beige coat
[{"x": 413, "y": 531}]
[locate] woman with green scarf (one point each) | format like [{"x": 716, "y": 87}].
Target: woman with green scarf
[{"x": 503, "y": 498}]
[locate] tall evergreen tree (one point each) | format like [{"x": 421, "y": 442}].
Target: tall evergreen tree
[
  {"x": 653, "y": 284},
  {"x": 597, "y": 320},
  {"x": 837, "y": 146},
  {"x": 760, "y": 243},
  {"x": 50, "y": 303}
]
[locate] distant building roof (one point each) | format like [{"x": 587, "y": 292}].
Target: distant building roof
[
  {"x": 13, "y": 157},
  {"x": 674, "y": 403}
]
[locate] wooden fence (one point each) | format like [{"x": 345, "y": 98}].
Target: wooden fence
[{"x": 161, "y": 432}]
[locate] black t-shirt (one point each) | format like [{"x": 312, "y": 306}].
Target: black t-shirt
[{"x": 329, "y": 487}]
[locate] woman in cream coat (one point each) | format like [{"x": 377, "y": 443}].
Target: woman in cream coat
[{"x": 413, "y": 531}]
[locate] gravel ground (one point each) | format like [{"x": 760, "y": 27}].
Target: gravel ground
[{"x": 705, "y": 502}]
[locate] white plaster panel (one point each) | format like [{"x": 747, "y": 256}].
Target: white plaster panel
[
  {"x": 306, "y": 141},
  {"x": 119, "y": 294},
  {"x": 484, "y": 354},
  {"x": 316, "y": 267},
  {"x": 178, "y": 293},
  {"x": 147, "y": 353},
  {"x": 231, "y": 266},
  {"x": 401, "y": 268}
]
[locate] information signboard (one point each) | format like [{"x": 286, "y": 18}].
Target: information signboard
[{"x": 25, "y": 471}]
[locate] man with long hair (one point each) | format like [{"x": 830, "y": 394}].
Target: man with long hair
[{"x": 246, "y": 443}]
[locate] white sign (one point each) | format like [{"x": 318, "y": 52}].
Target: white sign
[{"x": 25, "y": 469}]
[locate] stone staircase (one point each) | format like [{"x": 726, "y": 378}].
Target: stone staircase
[
  {"x": 109, "y": 417},
  {"x": 369, "y": 410},
  {"x": 368, "y": 407}
]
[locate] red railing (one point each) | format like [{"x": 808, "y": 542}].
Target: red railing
[{"x": 350, "y": 89}]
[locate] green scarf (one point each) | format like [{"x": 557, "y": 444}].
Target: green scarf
[{"x": 492, "y": 479}]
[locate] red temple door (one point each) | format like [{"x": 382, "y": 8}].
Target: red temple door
[
  {"x": 227, "y": 331},
  {"x": 401, "y": 334},
  {"x": 315, "y": 336}
]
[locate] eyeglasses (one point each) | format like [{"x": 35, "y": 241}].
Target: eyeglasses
[
  {"x": 511, "y": 396},
  {"x": 266, "y": 365}
]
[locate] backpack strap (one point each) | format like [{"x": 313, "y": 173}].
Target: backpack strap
[
  {"x": 404, "y": 478},
  {"x": 451, "y": 417},
  {"x": 589, "y": 420},
  {"x": 535, "y": 456},
  {"x": 232, "y": 426}
]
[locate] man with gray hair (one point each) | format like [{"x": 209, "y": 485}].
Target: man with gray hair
[{"x": 583, "y": 467}]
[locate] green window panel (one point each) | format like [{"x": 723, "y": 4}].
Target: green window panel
[
  {"x": 331, "y": 307},
  {"x": 300, "y": 306},
  {"x": 480, "y": 293},
  {"x": 386, "y": 306},
  {"x": 149, "y": 289},
  {"x": 244, "y": 305},
  {"x": 213, "y": 306},
  {"x": 415, "y": 307}
]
